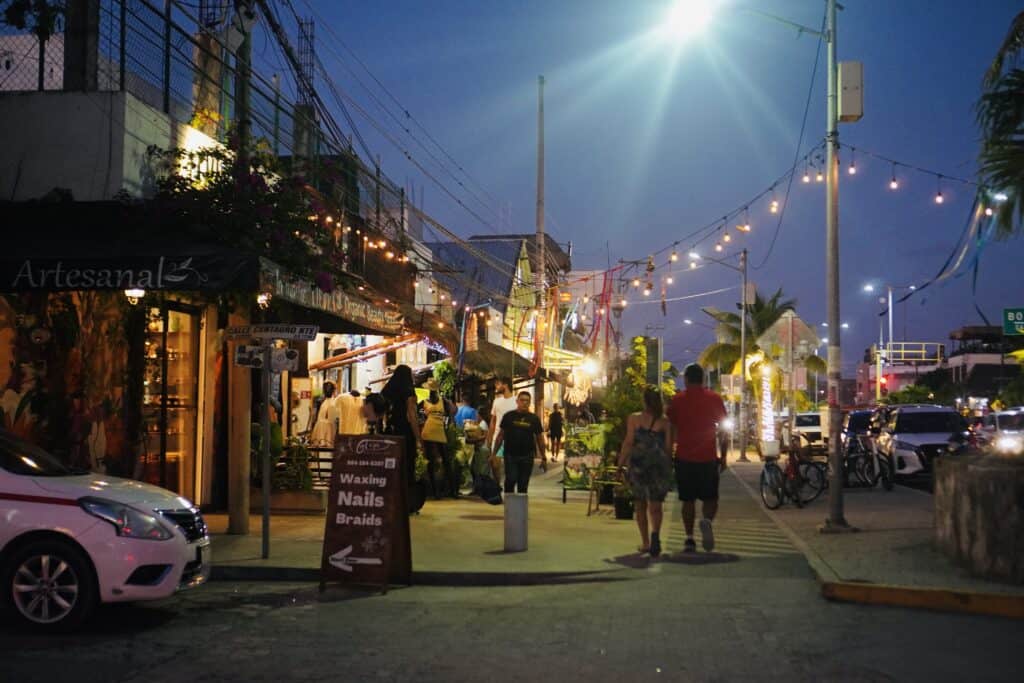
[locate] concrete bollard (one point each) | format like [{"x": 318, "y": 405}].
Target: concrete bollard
[{"x": 515, "y": 522}]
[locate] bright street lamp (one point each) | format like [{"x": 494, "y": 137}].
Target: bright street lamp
[{"x": 687, "y": 18}]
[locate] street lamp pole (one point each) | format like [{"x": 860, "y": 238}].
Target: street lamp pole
[{"x": 836, "y": 521}]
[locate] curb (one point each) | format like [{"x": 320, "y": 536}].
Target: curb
[
  {"x": 891, "y": 595},
  {"x": 451, "y": 579}
]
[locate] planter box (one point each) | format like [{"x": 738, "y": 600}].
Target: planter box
[{"x": 290, "y": 502}]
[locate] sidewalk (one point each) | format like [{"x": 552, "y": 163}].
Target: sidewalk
[
  {"x": 453, "y": 541},
  {"x": 460, "y": 542},
  {"x": 891, "y": 559}
]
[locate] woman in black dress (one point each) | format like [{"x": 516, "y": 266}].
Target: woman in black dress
[
  {"x": 402, "y": 420},
  {"x": 645, "y": 450}
]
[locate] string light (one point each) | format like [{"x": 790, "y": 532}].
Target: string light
[
  {"x": 718, "y": 246},
  {"x": 727, "y": 237},
  {"x": 852, "y": 170},
  {"x": 774, "y": 207},
  {"x": 669, "y": 279},
  {"x": 647, "y": 289},
  {"x": 820, "y": 177},
  {"x": 693, "y": 264},
  {"x": 694, "y": 255},
  {"x": 674, "y": 257},
  {"x": 636, "y": 282},
  {"x": 745, "y": 225},
  {"x": 938, "y": 193},
  {"x": 807, "y": 175},
  {"x": 623, "y": 302}
]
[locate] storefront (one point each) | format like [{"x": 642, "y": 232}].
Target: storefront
[{"x": 113, "y": 352}]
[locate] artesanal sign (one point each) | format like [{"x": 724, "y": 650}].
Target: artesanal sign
[{"x": 339, "y": 303}]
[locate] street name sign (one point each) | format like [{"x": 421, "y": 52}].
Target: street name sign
[
  {"x": 268, "y": 331},
  {"x": 366, "y": 534},
  {"x": 1013, "y": 321}
]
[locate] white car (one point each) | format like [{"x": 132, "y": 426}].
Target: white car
[
  {"x": 70, "y": 539},
  {"x": 915, "y": 435},
  {"x": 1003, "y": 432}
]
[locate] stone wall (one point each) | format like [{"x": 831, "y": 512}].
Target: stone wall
[{"x": 979, "y": 514}]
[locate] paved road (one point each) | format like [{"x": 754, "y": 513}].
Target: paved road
[{"x": 752, "y": 613}]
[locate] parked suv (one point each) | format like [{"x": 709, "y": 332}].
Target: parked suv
[
  {"x": 70, "y": 539},
  {"x": 917, "y": 434}
]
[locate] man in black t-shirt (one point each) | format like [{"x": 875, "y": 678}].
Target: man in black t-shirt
[{"x": 523, "y": 436}]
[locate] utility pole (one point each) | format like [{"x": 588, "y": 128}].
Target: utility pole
[
  {"x": 538, "y": 276},
  {"x": 243, "y": 73},
  {"x": 836, "y": 521}
]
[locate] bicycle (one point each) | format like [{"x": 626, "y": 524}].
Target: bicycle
[
  {"x": 866, "y": 464},
  {"x": 802, "y": 481}
]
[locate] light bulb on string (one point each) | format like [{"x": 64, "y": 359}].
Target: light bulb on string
[
  {"x": 938, "y": 193},
  {"x": 718, "y": 246},
  {"x": 807, "y": 175},
  {"x": 819, "y": 177},
  {"x": 852, "y": 169},
  {"x": 636, "y": 282},
  {"x": 669, "y": 279},
  {"x": 648, "y": 289},
  {"x": 726, "y": 237},
  {"x": 774, "y": 206},
  {"x": 693, "y": 264},
  {"x": 674, "y": 257}
]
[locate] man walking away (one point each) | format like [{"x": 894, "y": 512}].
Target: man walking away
[
  {"x": 523, "y": 437},
  {"x": 695, "y": 413},
  {"x": 504, "y": 402}
]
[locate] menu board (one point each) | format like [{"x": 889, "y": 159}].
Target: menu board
[{"x": 366, "y": 534}]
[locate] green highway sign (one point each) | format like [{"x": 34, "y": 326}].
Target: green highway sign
[{"x": 1013, "y": 321}]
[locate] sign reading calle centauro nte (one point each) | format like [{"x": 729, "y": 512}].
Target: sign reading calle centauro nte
[{"x": 366, "y": 534}]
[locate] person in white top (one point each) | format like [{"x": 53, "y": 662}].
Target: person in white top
[
  {"x": 504, "y": 402},
  {"x": 326, "y": 420},
  {"x": 350, "y": 414}
]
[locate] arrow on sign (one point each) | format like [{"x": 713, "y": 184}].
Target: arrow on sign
[{"x": 342, "y": 561}]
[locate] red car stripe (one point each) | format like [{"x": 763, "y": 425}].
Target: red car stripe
[{"x": 45, "y": 500}]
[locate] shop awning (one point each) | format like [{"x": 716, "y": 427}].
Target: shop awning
[
  {"x": 491, "y": 360},
  {"x": 75, "y": 246}
]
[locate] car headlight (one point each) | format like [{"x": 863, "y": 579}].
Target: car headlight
[
  {"x": 127, "y": 521},
  {"x": 1009, "y": 444},
  {"x": 904, "y": 446}
]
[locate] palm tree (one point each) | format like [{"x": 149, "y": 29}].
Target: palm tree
[
  {"x": 761, "y": 315},
  {"x": 1001, "y": 118}
]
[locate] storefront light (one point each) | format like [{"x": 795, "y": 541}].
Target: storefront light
[
  {"x": 263, "y": 300},
  {"x": 134, "y": 295}
]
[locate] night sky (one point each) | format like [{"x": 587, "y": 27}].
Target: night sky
[{"x": 648, "y": 140}]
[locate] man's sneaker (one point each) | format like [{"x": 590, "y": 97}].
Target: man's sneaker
[
  {"x": 707, "y": 535},
  {"x": 690, "y": 546}
]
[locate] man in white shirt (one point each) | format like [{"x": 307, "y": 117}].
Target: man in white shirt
[
  {"x": 351, "y": 421},
  {"x": 504, "y": 402}
]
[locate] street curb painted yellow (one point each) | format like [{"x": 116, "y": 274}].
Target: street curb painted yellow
[{"x": 934, "y": 599}]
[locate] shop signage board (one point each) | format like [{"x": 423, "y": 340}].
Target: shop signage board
[
  {"x": 273, "y": 331},
  {"x": 366, "y": 534},
  {"x": 1013, "y": 321},
  {"x": 248, "y": 356},
  {"x": 282, "y": 285}
]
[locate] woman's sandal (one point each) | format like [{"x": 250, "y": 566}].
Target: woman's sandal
[{"x": 655, "y": 545}]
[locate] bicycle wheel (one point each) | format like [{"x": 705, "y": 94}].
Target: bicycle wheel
[
  {"x": 771, "y": 487},
  {"x": 815, "y": 481},
  {"x": 866, "y": 471}
]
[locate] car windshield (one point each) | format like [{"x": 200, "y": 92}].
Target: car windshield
[
  {"x": 859, "y": 422},
  {"x": 1012, "y": 422},
  {"x": 21, "y": 457},
  {"x": 808, "y": 420},
  {"x": 923, "y": 423}
]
